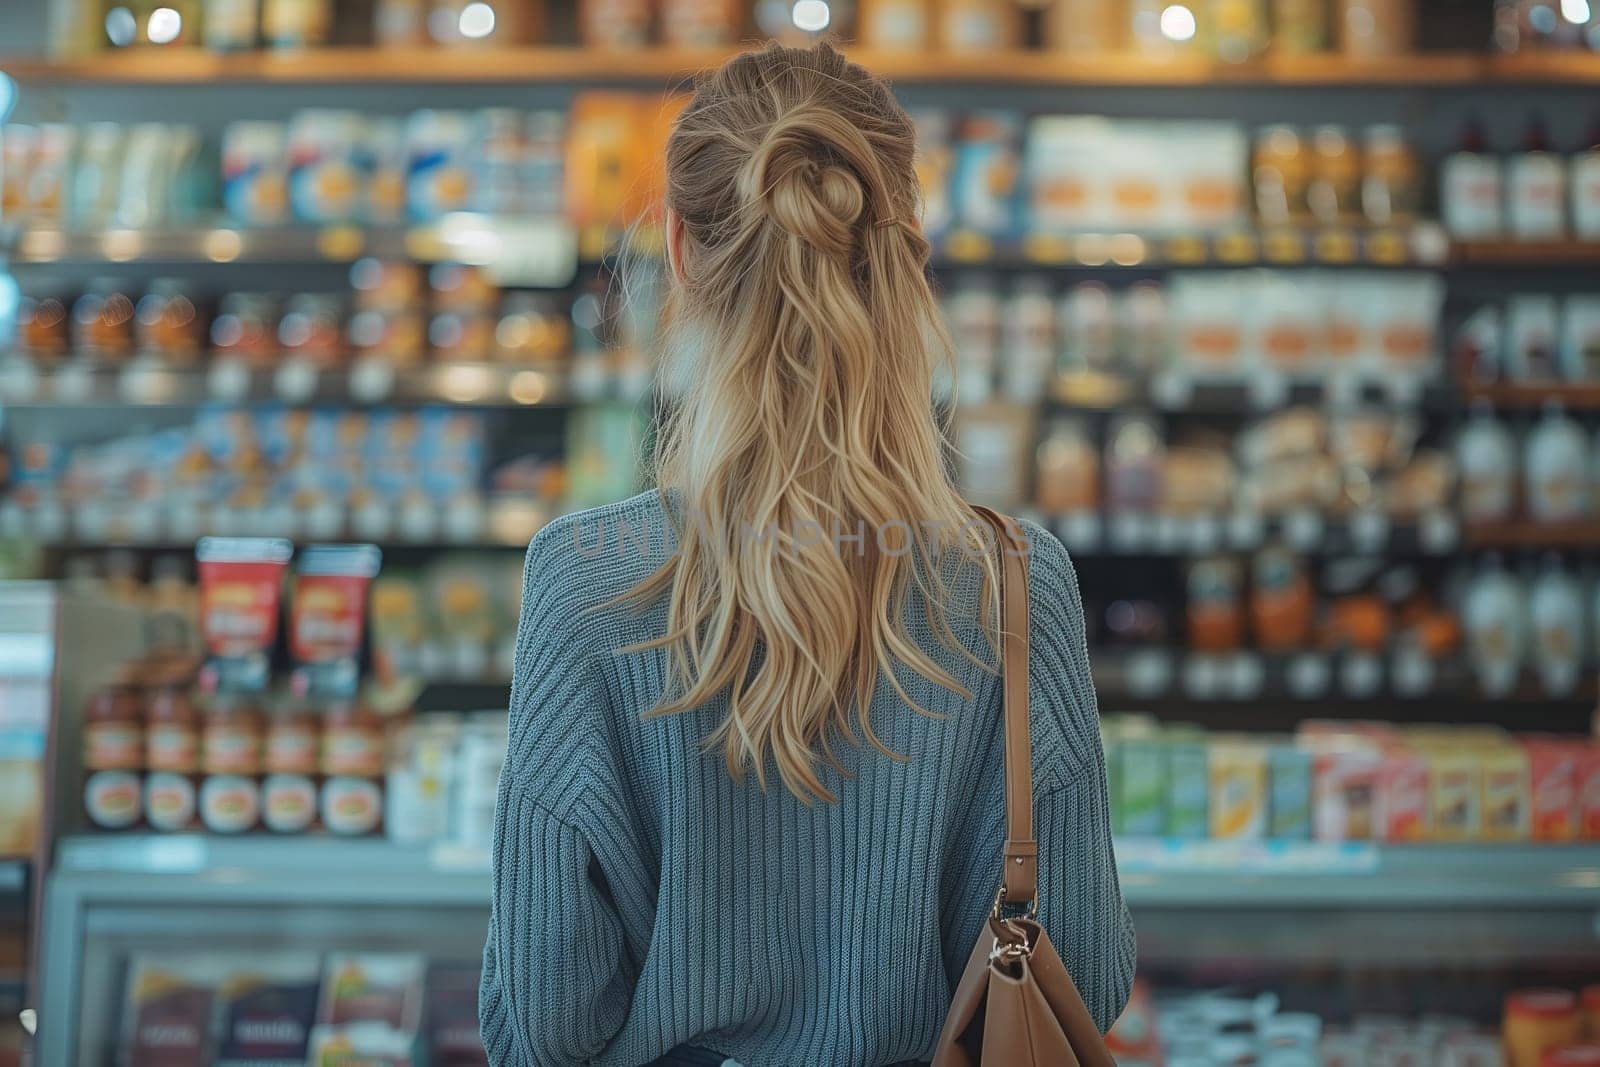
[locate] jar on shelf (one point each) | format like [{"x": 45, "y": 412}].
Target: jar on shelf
[
  {"x": 1281, "y": 174},
  {"x": 42, "y": 329},
  {"x": 1377, "y": 29},
  {"x": 1238, "y": 29},
  {"x": 699, "y": 23},
  {"x": 172, "y": 755},
  {"x": 353, "y": 767},
  {"x": 977, "y": 26},
  {"x": 230, "y": 745},
  {"x": 290, "y": 758},
  {"x": 1536, "y": 1021},
  {"x": 1334, "y": 194},
  {"x": 232, "y": 25},
  {"x": 113, "y": 754},
  {"x": 167, "y": 324},
  {"x": 102, "y": 321},
  {"x": 294, "y": 24},
  {"x": 614, "y": 23},
  {"x": 1391, "y": 191},
  {"x": 897, "y": 25},
  {"x": 1299, "y": 27},
  {"x": 1084, "y": 27}
]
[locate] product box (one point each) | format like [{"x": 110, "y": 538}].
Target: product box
[
  {"x": 372, "y": 987},
  {"x": 1141, "y": 787},
  {"x": 267, "y": 1006},
  {"x": 1345, "y": 774},
  {"x": 1403, "y": 795},
  {"x": 168, "y": 1009},
  {"x": 1188, "y": 789},
  {"x": 1553, "y": 769},
  {"x": 1288, "y": 793},
  {"x": 361, "y": 1045},
  {"x": 1589, "y": 793},
  {"x": 1455, "y": 780},
  {"x": 1238, "y": 790},
  {"x": 1505, "y": 793}
]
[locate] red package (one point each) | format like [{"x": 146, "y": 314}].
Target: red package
[
  {"x": 329, "y": 612},
  {"x": 1554, "y": 765},
  {"x": 1589, "y": 792},
  {"x": 240, "y": 580},
  {"x": 1403, "y": 795}
]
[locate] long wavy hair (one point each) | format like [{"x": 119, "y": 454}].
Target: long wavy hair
[{"x": 804, "y": 307}]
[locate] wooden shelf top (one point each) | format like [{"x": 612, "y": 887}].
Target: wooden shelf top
[
  {"x": 1534, "y": 535},
  {"x": 535, "y": 64},
  {"x": 1507, "y": 251},
  {"x": 1573, "y": 396}
]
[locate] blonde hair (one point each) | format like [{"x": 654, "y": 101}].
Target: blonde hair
[{"x": 804, "y": 298}]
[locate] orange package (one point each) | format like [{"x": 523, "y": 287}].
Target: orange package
[
  {"x": 1589, "y": 793},
  {"x": 1403, "y": 795},
  {"x": 1553, "y": 765},
  {"x": 605, "y": 145}
]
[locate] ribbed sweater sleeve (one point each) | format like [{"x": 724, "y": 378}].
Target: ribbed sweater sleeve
[
  {"x": 1080, "y": 900},
  {"x": 553, "y": 989}
]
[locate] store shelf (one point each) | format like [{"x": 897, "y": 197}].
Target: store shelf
[
  {"x": 1357, "y": 875},
  {"x": 141, "y": 868},
  {"x": 1533, "y": 535},
  {"x": 1423, "y": 244},
  {"x": 568, "y": 64},
  {"x": 1092, "y": 533},
  {"x": 1512, "y": 253},
  {"x": 1572, "y": 396},
  {"x": 356, "y": 381}
]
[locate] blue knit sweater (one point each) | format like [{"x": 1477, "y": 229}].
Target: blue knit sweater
[{"x": 644, "y": 903}]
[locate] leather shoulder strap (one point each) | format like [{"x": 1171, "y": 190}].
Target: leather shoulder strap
[{"x": 1020, "y": 879}]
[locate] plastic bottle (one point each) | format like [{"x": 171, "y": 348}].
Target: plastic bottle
[
  {"x": 1536, "y": 187},
  {"x": 1471, "y": 180}
]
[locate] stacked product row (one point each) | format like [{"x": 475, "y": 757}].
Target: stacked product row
[
  {"x": 289, "y": 1008},
  {"x": 1350, "y": 782},
  {"x": 1186, "y": 1028}
]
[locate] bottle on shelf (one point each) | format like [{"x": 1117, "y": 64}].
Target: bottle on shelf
[
  {"x": 1536, "y": 180},
  {"x": 1471, "y": 182},
  {"x": 1584, "y": 179},
  {"x": 897, "y": 25}
]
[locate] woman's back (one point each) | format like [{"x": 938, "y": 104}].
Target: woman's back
[{"x": 646, "y": 901}]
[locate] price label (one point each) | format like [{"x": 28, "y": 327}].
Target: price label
[
  {"x": 1202, "y": 676},
  {"x": 1369, "y": 530},
  {"x": 1047, "y": 248},
  {"x": 1386, "y": 247},
  {"x": 968, "y": 246},
  {"x": 1149, "y": 673},
  {"x": 1243, "y": 676},
  {"x": 1360, "y": 675},
  {"x": 464, "y": 522},
  {"x": 1130, "y": 533},
  {"x": 295, "y": 381},
  {"x": 1239, "y": 247},
  {"x": 1186, "y": 250},
  {"x": 418, "y": 521},
  {"x": 1268, "y": 390},
  {"x": 1307, "y": 675},
  {"x": 1283, "y": 246},
  {"x": 371, "y": 380},
  {"x": 19, "y": 382},
  {"x": 1203, "y": 534},
  {"x": 1335, "y": 246},
  {"x": 1245, "y": 529},
  {"x": 74, "y": 383},
  {"x": 541, "y": 253},
  {"x": 1172, "y": 391},
  {"x": 228, "y": 380},
  {"x": 1439, "y": 532},
  {"x": 1413, "y": 672},
  {"x": 1080, "y": 531},
  {"x": 1303, "y": 529}
]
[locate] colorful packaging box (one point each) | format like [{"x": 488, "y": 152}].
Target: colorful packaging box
[
  {"x": 1238, "y": 790},
  {"x": 1403, "y": 813},
  {"x": 1141, "y": 787},
  {"x": 1505, "y": 793},
  {"x": 1455, "y": 779},
  {"x": 1188, "y": 789},
  {"x": 1553, "y": 769},
  {"x": 1288, "y": 793},
  {"x": 1589, "y": 794},
  {"x": 1344, "y": 789}
]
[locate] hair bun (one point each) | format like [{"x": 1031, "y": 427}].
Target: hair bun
[{"x": 800, "y": 176}]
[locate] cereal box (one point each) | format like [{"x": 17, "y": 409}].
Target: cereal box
[
  {"x": 1288, "y": 793},
  {"x": 1553, "y": 768},
  {"x": 1589, "y": 793},
  {"x": 1403, "y": 795},
  {"x": 1344, "y": 789},
  {"x": 1188, "y": 787},
  {"x": 1455, "y": 781},
  {"x": 1238, "y": 790},
  {"x": 1141, "y": 787},
  {"x": 1505, "y": 793}
]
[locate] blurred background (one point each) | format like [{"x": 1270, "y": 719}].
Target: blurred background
[{"x": 1283, "y": 314}]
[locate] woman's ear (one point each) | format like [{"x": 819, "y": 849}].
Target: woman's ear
[{"x": 675, "y": 239}]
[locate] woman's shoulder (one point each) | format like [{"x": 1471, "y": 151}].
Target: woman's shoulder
[{"x": 629, "y": 537}]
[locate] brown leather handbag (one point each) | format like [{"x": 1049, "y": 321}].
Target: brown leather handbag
[{"x": 1016, "y": 1005}]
